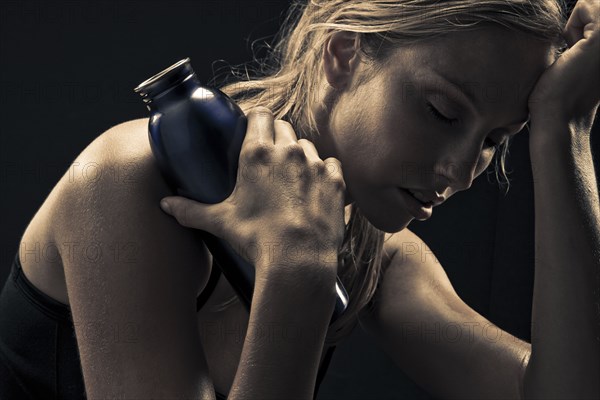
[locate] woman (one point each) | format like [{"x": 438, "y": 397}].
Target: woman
[{"x": 367, "y": 88}]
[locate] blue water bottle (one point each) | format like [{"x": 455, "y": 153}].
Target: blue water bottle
[{"x": 196, "y": 135}]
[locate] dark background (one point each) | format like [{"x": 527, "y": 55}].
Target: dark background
[{"x": 67, "y": 73}]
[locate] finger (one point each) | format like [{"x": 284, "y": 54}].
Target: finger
[
  {"x": 579, "y": 18},
  {"x": 312, "y": 156},
  {"x": 572, "y": 30},
  {"x": 333, "y": 169},
  {"x": 192, "y": 214},
  {"x": 284, "y": 133},
  {"x": 309, "y": 149},
  {"x": 260, "y": 126}
]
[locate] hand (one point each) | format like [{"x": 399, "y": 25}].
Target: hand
[
  {"x": 570, "y": 88},
  {"x": 286, "y": 200}
]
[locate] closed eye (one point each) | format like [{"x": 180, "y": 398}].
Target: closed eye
[
  {"x": 489, "y": 143},
  {"x": 438, "y": 115}
]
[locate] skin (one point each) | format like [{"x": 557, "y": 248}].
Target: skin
[
  {"x": 385, "y": 136},
  {"x": 363, "y": 121},
  {"x": 412, "y": 291},
  {"x": 359, "y": 124}
]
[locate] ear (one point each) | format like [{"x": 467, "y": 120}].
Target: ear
[{"x": 340, "y": 58}]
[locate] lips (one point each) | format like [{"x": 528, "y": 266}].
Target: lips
[
  {"x": 419, "y": 210},
  {"x": 427, "y": 198},
  {"x": 420, "y": 198}
]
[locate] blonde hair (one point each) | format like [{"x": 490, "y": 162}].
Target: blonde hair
[{"x": 287, "y": 81}]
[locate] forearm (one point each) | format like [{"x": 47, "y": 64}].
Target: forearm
[
  {"x": 286, "y": 331},
  {"x": 564, "y": 359}
]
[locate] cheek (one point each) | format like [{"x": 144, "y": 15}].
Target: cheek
[{"x": 353, "y": 142}]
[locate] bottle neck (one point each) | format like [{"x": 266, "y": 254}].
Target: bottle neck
[
  {"x": 169, "y": 86},
  {"x": 172, "y": 94}
]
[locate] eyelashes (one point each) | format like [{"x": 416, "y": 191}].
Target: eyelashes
[
  {"x": 453, "y": 121},
  {"x": 440, "y": 116}
]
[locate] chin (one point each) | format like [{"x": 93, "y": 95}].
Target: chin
[
  {"x": 389, "y": 224},
  {"x": 392, "y": 228},
  {"x": 383, "y": 214}
]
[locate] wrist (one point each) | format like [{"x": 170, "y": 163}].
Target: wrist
[
  {"x": 318, "y": 279},
  {"x": 300, "y": 264},
  {"x": 288, "y": 320},
  {"x": 306, "y": 300},
  {"x": 555, "y": 117},
  {"x": 558, "y": 134}
]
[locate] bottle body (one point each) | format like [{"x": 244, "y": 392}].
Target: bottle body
[{"x": 196, "y": 134}]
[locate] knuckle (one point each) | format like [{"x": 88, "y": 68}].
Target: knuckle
[
  {"x": 319, "y": 166},
  {"x": 260, "y": 111},
  {"x": 258, "y": 151},
  {"x": 298, "y": 229},
  {"x": 294, "y": 151},
  {"x": 307, "y": 143},
  {"x": 333, "y": 161},
  {"x": 334, "y": 166},
  {"x": 283, "y": 124},
  {"x": 338, "y": 182},
  {"x": 183, "y": 216}
]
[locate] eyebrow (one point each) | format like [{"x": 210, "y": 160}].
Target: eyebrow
[{"x": 471, "y": 100}]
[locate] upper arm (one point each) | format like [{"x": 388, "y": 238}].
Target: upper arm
[
  {"x": 132, "y": 276},
  {"x": 438, "y": 340}
]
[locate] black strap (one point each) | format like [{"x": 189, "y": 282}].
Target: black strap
[
  {"x": 215, "y": 273},
  {"x": 323, "y": 369}
]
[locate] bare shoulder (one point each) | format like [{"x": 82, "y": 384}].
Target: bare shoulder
[
  {"x": 411, "y": 274},
  {"x": 108, "y": 200},
  {"x": 437, "y": 339},
  {"x": 129, "y": 268},
  {"x": 413, "y": 259}
]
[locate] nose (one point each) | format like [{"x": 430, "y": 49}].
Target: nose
[
  {"x": 459, "y": 175},
  {"x": 464, "y": 163}
]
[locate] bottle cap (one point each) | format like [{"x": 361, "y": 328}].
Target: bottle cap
[{"x": 167, "y": 78}]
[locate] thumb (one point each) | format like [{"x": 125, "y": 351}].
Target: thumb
[{"x": 193, "y": 214}]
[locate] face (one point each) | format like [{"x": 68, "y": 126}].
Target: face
[{"x": 429, "y": 119}]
